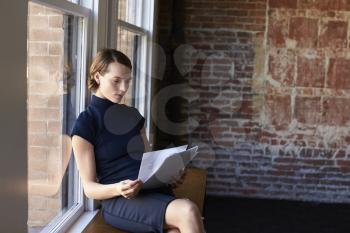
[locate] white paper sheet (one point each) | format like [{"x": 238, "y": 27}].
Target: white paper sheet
[{"x": 159, "y": 167}]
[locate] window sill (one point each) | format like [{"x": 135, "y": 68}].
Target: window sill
[{"x": 82, "y": 221}]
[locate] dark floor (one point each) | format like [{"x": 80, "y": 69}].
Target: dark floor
[{"x": 239, "y": 215}]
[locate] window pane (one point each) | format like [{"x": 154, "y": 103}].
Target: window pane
[
  {"x": 130, "y": 11},
  {"x": 84, "y": 3},
  {"x": 53, "y": 48},
  {"x": 130, "y": 43},
  {"x": 74, "y": 1}
]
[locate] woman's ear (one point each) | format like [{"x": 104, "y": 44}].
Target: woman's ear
[{"x": 97, "y": 78}]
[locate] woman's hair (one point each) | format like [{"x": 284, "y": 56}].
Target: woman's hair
[{"x": 100, "y": 64}]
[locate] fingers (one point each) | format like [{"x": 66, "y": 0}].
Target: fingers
[
  {"x": 132, "y": 191},
  {"x": 129, "y": 184},
  {"x": 128, "y": 193},
  {"x": 130, "y": 188},
  {"x": 178, "y": 179},
  {"x": 182, "y": 173},
  {"x": 181, "y": 176}
]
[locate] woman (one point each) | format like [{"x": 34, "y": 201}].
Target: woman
[{"x": 108, "y": 141}]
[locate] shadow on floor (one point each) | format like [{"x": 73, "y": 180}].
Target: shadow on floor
[{"x": 240, "y": 215}]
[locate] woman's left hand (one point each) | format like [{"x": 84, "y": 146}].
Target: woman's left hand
[
  {"x": 178, "y": 179},
  {"x": 130, "y": 188}
]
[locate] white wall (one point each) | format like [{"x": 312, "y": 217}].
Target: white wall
[{"x": 13, "y": 116}]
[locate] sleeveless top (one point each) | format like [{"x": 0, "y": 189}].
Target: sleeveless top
[{"x": 114, "y": 131}]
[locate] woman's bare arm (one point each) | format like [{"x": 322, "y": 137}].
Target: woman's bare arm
[
  {"x": 84, "y": 156},
  {"x": 145, "y": 140}
]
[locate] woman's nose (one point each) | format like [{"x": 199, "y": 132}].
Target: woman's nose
[{"x": 123, "y": 86}]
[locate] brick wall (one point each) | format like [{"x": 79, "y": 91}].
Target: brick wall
[
  {"x": 45, "y": 140},
  {"x": 267, "y": 92}
]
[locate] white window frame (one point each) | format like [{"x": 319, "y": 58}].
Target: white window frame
[
  {"x": 146, "y": 22},
  {"x": 61, "y": 224}
]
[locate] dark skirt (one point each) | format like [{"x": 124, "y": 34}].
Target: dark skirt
[{"x": 144, "y": 213}]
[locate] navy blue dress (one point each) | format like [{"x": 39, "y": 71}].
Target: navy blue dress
[{"x": 114, "y": 131}]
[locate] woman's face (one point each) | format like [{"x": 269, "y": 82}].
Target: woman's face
[{"x": 114, "y": 84}]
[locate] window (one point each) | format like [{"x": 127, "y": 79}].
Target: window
[
  {"x": 130, "y": 43},
  {"x": 57, "y": 36},
  {"x": 131, "y": 33},
  {"x": 60, "y": 45},
  {"x": 130, "y": 11}
]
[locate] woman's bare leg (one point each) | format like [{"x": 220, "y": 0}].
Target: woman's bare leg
[
  {"x": 184, "y": 215},
  {"x": 172, "y": 230}
]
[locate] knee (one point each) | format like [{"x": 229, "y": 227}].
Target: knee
[
  {"x": 181, "y": 213},
  {"x": 190, "y": 209},
  {"x": 173, "y": 230}
]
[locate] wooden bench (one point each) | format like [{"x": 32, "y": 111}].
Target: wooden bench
[{"x": 193, "y": 188}]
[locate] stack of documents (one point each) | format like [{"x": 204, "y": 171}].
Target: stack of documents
[{"x": 159, "y": 167}]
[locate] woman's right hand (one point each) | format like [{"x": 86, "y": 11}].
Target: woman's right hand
[{"x": 129, "y": 188}]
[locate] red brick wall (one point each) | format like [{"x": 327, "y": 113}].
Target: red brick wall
[
  {"x": 234, "y": 14},
  {"x": 272, "y": 108}
]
